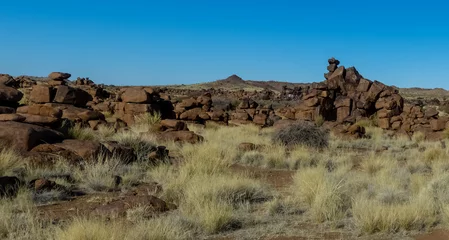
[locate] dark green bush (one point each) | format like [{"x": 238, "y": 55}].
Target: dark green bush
[{"x": 302, "y": 133}]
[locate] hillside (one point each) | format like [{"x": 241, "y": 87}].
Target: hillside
[{"x": 234, "y": 83}]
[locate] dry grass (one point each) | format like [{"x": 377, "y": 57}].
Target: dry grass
[
  {"x": 404, "y": 188},
  {"x": 10, "y": 161}
]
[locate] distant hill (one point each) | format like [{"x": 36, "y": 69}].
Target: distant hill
[{"x": 235, "y": 83}]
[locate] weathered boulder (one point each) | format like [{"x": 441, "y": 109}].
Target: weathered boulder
[
  {"x": 9, "y": 94},
  {"x": 24, "y": 136},
  {"x": 175, "y": 125},
  {"x": 192, "y": 114},
  {"x": 40, "y": 94},
  {"x": 11, "y": 117},
  {"x": 136, "y": 95},
  {"x": 59, "y": 76},
  {"x": 69, "y": 95},
  {"x": 88, "y": 150},
  {"x": 40, "y": 109}
]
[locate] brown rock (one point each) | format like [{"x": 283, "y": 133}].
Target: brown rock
[
  {"x": 375, "y": 89},
  {"x": 174, "y": 124},
  {"x": 352, "y": 75},
  {"x": 396, "y": 125},
  {"x": 192, "y": 114},
  {"x": 312, "y": 102},
  {"x": 59, "y": 76},
  {"x": 6, "y": 79},
  {"x": 91, "y": 115},
  {"x": 342, "y": 113},
  {"x": 42, "y": 110},
  {"x": 40, "y": 94},
  {"x": 260, "y": 119},
  {"x": 9, "y": 94},
  {"x": 431, "y": 112},
  {"x": 88, "y": 150},
  {"x": 136, "y": 95},
  {"x": 336, "y": 79},
  {"x": 438, "y": 124},
  {"x": 241, "y": 116},
  {"x": 69, "y": 95},
  {"x": 332, "y": 67},
  {"x": 342, "y": 101},
  {"x": 25, "y": 136},
  {"x": 39, "y": 120},
  {"x": 364, "y": 85},
  {"x": 383, "y": 123},
  {"x": 11, "y": 117},
  {"x": 187, "y": 103},
  {"x": 204, "y": 116}
]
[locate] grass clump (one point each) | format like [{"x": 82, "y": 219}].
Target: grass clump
[
  {"x": 324, "y": 193},
  {"x": 146, "y": 122},
  {"x": 302, "y": 133},
  {"x": 81, "y": 133},
  {"x": 9, "y": 161}
]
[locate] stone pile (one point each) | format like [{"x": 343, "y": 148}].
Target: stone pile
[
  {"x": 199, "y": 110},
  {"x": 346, "y": 97},
  {"x": 134, "y": 101},
  {"x": 249, "y": 111}
]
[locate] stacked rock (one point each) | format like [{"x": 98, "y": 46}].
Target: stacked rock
[
  {"x": 199, "y": 110},
  {"x": 249, "y": 111}
]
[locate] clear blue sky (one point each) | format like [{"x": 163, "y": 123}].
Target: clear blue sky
[{"x": 404, "y": 43}]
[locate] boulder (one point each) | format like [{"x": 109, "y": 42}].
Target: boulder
[
  {"x": 40, "y": 94},
  {"x": 39, "y": 120},
  {"x": 260, "y": 119},
  {"x": 342, "y": 113},
  {"x": 187, "y": 103},
  {"x": 9, "y": 94},
  {"x": 11, "y": 117},
  {"x": 59, "y": 76},
  {"x": 6, "y": 79},
  {"x": 438, "y": 124},
  {"x": 69, "y": 95},
  {"x": 42, "y": 110},
  {"x": 174, "y": 124},
  {"x": 364, "y": 85},
  {"x": 192, "y": 114},
  {"x": 136, "y": 95},
  {"x": 383, "y": 123},
  {"x": 342, "y": 101},
  {"x": 25, "y": 136},
  {"x": 431, "y": 112},
  {"x": 88, "y": 150},
  {"x": 336, "y": 79}
]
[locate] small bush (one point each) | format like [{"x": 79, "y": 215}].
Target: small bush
[{"x": 302, "y": 133}]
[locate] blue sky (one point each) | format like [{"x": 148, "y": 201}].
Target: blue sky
[{"x": 402, "y": 43}]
